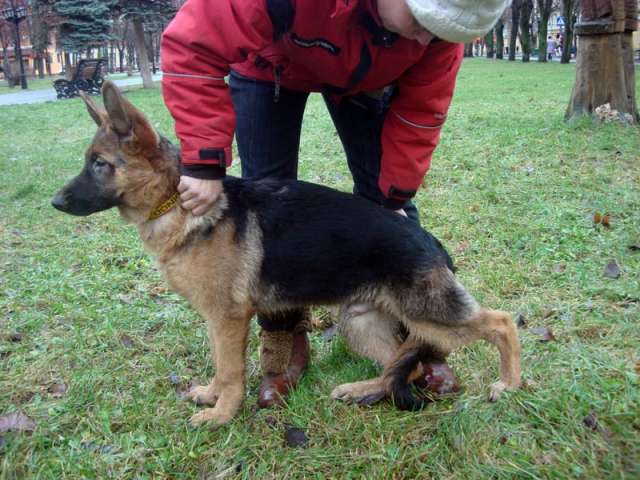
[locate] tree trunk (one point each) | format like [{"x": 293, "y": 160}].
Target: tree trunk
[
  {"x": 112, "y": 57},
  {"x": 490, "y": 45},
  {"x": 141, "y": 50},
  {"x": 39, "y": 64},
  {"x": 605, "y": 73},
  {"x": 67, "y": 63},
  {"x": 468, "y": 50},
  {"x": 525, "y": 29},
  {"x": 568, "y": 7},
  {"x": 500, "y": 40},
  {"x": 513, "y": 37},
  {"x": 121, "y": 59},
  {"x": 544, "y": 7},
  {"x": 47, "y": 63},
  {"x": 131, "y": 59},
  {"x": 605, "y": 70}
]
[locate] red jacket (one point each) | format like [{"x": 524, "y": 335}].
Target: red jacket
[{"x": 314, "y": 45}]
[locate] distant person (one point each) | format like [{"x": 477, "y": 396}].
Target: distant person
[{"x": 551, "y": 47}]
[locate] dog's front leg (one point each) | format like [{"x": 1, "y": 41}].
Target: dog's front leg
[
  {"x": 207, "y": 394},
  {"x": 230, "y": 332}
]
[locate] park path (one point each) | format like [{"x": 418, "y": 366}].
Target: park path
[{"x": 49, "y": 95}]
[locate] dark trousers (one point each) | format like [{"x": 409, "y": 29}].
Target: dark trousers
[{"x": 268, "y": 139}]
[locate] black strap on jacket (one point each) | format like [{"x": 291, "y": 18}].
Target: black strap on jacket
[
  {"x": 281, "y": 13},
  {"x": 381, "y": 36}
]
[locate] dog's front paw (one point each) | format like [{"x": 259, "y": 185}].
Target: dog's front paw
[
  {"x": 361, "y": 393},
  {"x": 497, "y": 388},
  {"x": 202, "y": 395},
  {"x": 214, "y": 416}
]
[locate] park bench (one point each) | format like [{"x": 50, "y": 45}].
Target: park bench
[{"x": 88, "y": 77}]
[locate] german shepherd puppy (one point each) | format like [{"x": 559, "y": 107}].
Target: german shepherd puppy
[{"x": 271, "y": 246}]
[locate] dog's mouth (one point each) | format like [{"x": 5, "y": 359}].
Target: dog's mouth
[
  {"x": 68, "y": 203},
  {"x": 63, "y": 201}
]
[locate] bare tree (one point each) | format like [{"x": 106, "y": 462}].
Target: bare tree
[
  {"x": 569, "y": 12},
  {"x": 526, "y": 7},
  {"x": 544, "y": 11},
  {"x": 499, "y": 28},
  {"x": 513, "y": 32}
]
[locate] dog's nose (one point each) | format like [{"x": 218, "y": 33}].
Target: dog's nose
[{"x": 60, "y": 201}]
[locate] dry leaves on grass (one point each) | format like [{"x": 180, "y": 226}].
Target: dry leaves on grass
[
  {"x": 58, "y": 390},
  {"x": 127, "y": 341},
  {"x": 600, "y": 219},
  {"x": 15, "y": 337},
  {"x": 296, "y": 437},
  {"x": 559, "y": 268},
  {"x": 16, "y": 422},
  {"x": 612, "y": 270},
  {"x": 544, "y": 334}
]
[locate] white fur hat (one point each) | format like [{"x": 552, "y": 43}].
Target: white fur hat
[{"x": 458, "y": 20}]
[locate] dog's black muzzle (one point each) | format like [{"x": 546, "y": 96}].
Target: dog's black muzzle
[{"x": 82, "y": 196}]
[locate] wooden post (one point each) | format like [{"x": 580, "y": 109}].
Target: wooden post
[{"x": 605, "y": 70}]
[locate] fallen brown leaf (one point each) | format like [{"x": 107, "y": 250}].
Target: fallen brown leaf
[
  {"x": 58, "y": 389},
  {"x": 549, "y": 312},
  {"x": 157, "y": 291},
  {"x": 17, "y": 422},
  {"x": 296, "y": 437},
  {"x": 590, "y": 333},
  {"x": 559, "y": 268},
  {"x": 612, "y": 270},
  {"x": 126, "y": 341},
  {"x": 591, "y": 421},
  {"x": 544, "y": 334},
  {"x": 462, "y": 246},
  {"x": 15, "y": 337},
  {"x": 546, "y": 459}
]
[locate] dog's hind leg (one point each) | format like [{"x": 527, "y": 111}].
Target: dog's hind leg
[
  {"x": 370, "y": 332},
  {"x": 498, "y": 328},
  {"x": 373, "y": 334},
  {"x": 230, "y": 333},
  {"x": 448, "y": 317}
]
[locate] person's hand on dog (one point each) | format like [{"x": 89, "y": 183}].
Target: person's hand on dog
[{"x": 198, "y": 195}]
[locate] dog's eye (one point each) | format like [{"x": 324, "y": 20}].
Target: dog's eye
[{"x": 97, "y": 161}]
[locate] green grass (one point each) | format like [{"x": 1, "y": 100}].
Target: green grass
[{"x": 511, "y": 193}]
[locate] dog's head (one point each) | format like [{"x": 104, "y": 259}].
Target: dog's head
[{"x": 127, "y": 164}]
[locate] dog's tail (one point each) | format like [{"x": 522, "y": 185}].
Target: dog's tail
[{"x": 401, "y": 373}]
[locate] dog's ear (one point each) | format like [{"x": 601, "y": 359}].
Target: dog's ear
[
  {"x": 98, "y": 114},
  {"x": 126, "y": 120}
]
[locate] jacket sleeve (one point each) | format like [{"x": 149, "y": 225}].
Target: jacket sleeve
[
  {"x": 412, "y": 126},
  {"x": 197, "y": 47}
]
